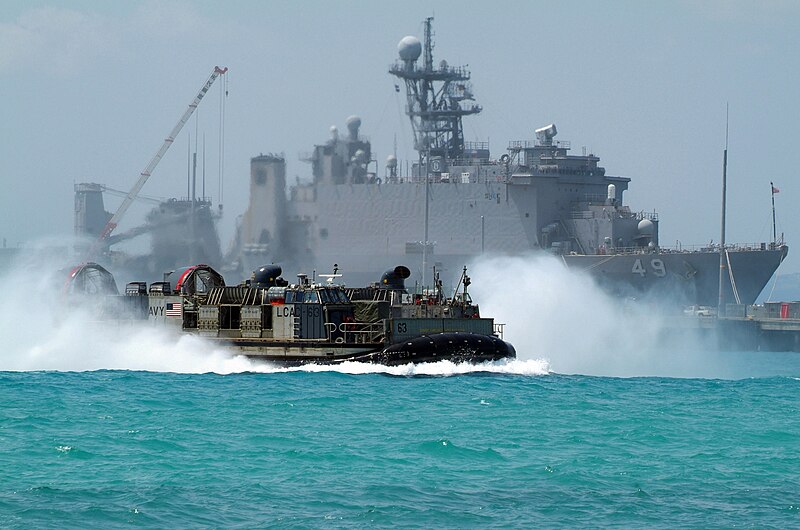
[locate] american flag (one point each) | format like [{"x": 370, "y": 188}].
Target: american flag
[{"x": 173, "y": 309}]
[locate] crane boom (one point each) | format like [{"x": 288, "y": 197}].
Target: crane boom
[
  {"x": 145, "y": 174},
  {"x": 140, "y": 197}
]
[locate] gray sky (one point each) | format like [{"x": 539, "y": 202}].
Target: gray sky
[{"x": 90, "y": 90}]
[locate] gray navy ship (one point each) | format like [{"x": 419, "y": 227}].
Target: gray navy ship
[{"x": 457, "y": 202}]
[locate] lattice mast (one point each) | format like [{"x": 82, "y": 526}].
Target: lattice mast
[{"x": 436, "y": 97}]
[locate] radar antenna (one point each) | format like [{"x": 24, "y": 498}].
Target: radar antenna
[{"x": 436, "y": 99}]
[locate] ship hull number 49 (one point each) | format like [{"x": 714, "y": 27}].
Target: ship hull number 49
[{"x": 656, "y": 266}]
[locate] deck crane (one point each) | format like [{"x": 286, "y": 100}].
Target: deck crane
[
  {"x": 145, "y": 174},
  {"x": 140, "y": 197}
]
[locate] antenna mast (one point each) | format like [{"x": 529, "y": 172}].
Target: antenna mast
[
  {"x": 774, "y": 233},
  {"x": 722, "y": 254},
  {"x": 436, "y": 99}
]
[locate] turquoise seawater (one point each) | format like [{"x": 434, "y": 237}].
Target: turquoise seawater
[
  {"x": 609, "y": 419},
  {"x": 322, "y": 448}
]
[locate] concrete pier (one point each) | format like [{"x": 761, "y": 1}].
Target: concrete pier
[{"x": 774, "y": 326}]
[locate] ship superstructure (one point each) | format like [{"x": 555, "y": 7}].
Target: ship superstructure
[
  {"x": 180, "y": 230},
  {"x": 457, "y": 203}
]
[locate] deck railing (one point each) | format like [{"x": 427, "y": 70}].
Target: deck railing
[
  {"x": 355, "y": 332},
  {"x": 688, "y": 249}
]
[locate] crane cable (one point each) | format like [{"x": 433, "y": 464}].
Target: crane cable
[{"x": 223, "y": 94}]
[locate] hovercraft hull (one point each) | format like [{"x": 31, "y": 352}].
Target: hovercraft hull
[{"x": 456, "y": 347}]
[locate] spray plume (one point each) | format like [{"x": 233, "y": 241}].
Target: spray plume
[
  {"x": 42, "y": 332},
  {"x": 561, "y": 315}
]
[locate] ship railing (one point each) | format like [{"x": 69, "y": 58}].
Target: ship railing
[
  {"x": 730, "y": 247},
  {"x": 689, "y": 249},
  {"x": 355, "y": 332},
  {"x": 630, "y": 250},
  {"x": 498, "y": 329},
  {"x": 581, "y": 214},
  {"x": 412, "y": 179},
  {"x": 620, "y": 213},
  {"x": 516, "y": 145},
  {"x": 198, "y": 201},
  {"x": 595, "y": 198},
  {"x": 652, "y": 216},
  {"x": 454, "y": 73},
  {"x": 465, "y": 162},
  {"x": 457, "y": 177}
]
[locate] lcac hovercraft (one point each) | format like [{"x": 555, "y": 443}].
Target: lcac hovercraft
[{"x": 267, "y": 318}]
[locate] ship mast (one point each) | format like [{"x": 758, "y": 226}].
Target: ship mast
[
  {"x": 722, "y": 254},
  {"x": 774, "y": 232},
  {"x": 436, "y": 99}
]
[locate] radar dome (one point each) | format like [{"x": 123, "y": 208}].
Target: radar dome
[
  {"x": 646, "y": 227},
  {"x": 391, "y": 161},
  {"x": 353, "y": 123},
  {"x": 409, "y": 48}
]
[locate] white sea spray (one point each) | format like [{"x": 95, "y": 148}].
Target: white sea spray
[
  {"x": 563, "y": 316},
  {"x": 41, "y": 332}
]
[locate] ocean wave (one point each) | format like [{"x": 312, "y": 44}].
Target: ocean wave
[{"x": 529, "y": 367}]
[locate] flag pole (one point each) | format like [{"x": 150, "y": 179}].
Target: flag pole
[{"x": 774, "y": 234}]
